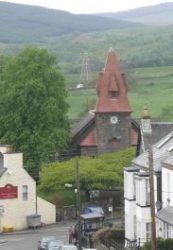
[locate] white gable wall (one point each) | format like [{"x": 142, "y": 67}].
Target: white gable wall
[
  {"x": 167, "y": 187},
  {"x": 143, "y": 217},
  {"x": 17, "y": 209},
  {"x": 130, "y": 220},
  {"x": 46, "y": 210},
  {"x": 129, "y": 185}
]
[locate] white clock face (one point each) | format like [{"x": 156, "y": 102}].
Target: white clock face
[{"x": 114, "y": 119}]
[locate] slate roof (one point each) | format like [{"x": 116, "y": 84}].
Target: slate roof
[
  {"x": 168, "y": 161},
  {"x": 81, "y": 125},
  {"x": 161, "y": 151},
  {"x": 159, "y": 130},
  {"x": 165, "y": 215}
]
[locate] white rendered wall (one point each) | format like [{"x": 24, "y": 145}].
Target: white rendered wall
[
  {"x": 16, "y": 209},
  {"x": 143, "y": 216},
  {"x": 130, "y": 215},
  {"x": 47, "y": 211},
  {"x": 129, "y": 185},
  {"x": 167, "y": 187}
]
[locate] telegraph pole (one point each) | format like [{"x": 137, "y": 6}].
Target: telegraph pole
[
  {"x": 152, "y": 201},
  {"x": 84, "y": 75},
  {"x": 78, "y": 200}
]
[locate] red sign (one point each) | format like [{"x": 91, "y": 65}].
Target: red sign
[{"x": 8, "y": 192}]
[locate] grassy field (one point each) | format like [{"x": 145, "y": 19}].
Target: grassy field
[{"x": 151, "y": 86}]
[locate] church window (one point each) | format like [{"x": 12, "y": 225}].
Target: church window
[{"x": 113, "y": 94}]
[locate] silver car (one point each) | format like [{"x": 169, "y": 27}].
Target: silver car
[
  {"x": 43, "y": 242},
  {"x": 55, "y": 245}
]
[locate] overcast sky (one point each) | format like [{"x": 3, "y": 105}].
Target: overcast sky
[{"x": 90, "y": 6}]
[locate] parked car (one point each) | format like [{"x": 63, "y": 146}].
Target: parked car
[
  {"x": 55, "y": 245},
  {"x": 69, "y": 247},
  {"x": 43, "y": 242}
]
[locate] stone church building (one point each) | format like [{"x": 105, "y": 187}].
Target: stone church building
[{"x": 109, "y": 126}]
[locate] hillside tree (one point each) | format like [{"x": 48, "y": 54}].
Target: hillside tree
[
  {"x": 99, "y": 173},
  {"x": 33, "y": 107}
]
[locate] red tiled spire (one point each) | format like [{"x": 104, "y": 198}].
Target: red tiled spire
[{"x": 111, "y": 88}]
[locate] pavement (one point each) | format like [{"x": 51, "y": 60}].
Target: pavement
[
  {"x": 3, "y": 241},
  {"x": 32, "y": 230},
  {"x": 37, "y": 229},
  {"x": 49, "y": 226}
]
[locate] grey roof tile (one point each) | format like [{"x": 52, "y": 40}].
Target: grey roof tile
[{"x": 166, "y": 215}]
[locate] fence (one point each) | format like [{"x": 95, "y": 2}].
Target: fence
[{"x": 112, "y": 244}]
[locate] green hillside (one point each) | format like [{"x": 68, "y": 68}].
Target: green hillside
[
  {"x": 65, "y": 35},
  {"x": 151, "y": 86},
  {"x": 159, "y": 15},
  {"x": 23, "y": 23},
  {"x": 134, "y": 48}
]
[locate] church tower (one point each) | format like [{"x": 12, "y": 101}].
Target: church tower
[{"x": 112, "y": 112}]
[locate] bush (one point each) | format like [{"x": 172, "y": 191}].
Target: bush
[{"x": 162, "y": 244}]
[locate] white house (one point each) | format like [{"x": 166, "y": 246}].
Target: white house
[
  {"x": 18, "y": 198},
  {"x": 137, "y": 187}
]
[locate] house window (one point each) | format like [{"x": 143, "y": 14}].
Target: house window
[
  {"x": 25, "y": 192},
  {"x": 148, "y": 231}
]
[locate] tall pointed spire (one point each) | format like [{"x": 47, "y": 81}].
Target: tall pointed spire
[
  {"x": 111, "y": 87},
  {"x": 111, "y": 61}
]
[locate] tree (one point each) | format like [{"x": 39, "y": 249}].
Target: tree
[
  {"x": 104, "y": 172},
  {"x": 33, "y": 107},
  {"x": 162, "y": 244}
]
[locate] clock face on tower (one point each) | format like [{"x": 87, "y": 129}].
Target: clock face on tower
[{"x": 114, "y": 119}]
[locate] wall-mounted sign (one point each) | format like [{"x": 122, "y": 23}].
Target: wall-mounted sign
[{"x": 8, "y": 192}]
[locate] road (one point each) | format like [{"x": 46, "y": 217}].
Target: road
[{"x": 27, "y": 240}]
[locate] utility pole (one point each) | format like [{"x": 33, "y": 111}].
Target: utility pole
[
  {"x": 78, "y": 201},
  {"x": 84, "y": 74},
  {"x": 152, "y": 201}
]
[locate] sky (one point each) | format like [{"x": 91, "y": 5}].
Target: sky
[{"x": 90, "y": 6}]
